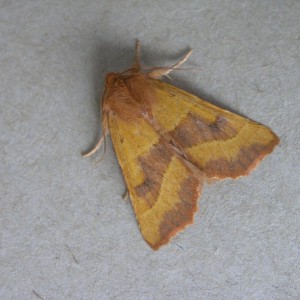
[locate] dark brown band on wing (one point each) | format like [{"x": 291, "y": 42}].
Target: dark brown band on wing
[
  {"x": 242, "y": 164},
  {"x": 154, "y": 165},
  {"x": 182, "y": 214},
  {"x": 193, "y": 130}
]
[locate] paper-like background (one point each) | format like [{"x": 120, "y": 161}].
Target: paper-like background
[{"x": 66, "y": 233}]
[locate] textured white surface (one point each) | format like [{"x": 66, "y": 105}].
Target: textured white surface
[{"x": 65, "y": 231}]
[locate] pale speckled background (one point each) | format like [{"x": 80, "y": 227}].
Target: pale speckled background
[{"x": 65, "y": 231}]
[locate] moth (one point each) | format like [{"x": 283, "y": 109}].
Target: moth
[{"x": 169, "y": 143}]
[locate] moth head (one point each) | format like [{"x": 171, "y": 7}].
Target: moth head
[
  {"x": 111, "y": 79},
  {"x": 118, "y": 99}
]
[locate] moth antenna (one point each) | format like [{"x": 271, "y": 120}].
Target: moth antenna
[
  {"x": 137, "y": 64},
  {"x": 166, "y": 70},
  {"x": 160, "y": 69},
  {"x": 156, "y": 68},
  {"x": 183, "y": 60}
]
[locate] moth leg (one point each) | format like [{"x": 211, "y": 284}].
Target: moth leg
[
  {"x": 96, "y": 147},
  {"x": 163, "y": 71},
  {"x": 126, "y": 195},
  {"x": 137, "y": 64}
]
